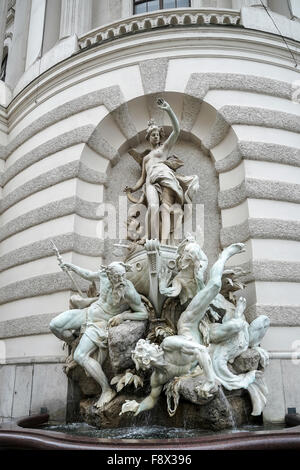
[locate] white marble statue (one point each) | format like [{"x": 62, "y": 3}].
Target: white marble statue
[
  {"x": 191, "y": 264},
  {"x": 162, "y": 187},
  {"x": 231, "y": 338},
  {"x": 177, "y": 355},
  {"x": 118, "y": 301}
]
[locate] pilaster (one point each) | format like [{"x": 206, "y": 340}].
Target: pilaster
[
  {"x": 18, "y": 53},
  {"x": 3, "y": 15},
  {"x": 76, "y": 17}
]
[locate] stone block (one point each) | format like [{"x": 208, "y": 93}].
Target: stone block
[
  {"x": 7, "y": 383},
  {"x": 22, "y": 391},
  {"x": 49, "y": 390},
  {"x": 291, "y": 383},
  {"x": 274, "y": 411}
]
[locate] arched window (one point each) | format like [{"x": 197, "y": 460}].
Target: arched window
[{"x": 140, "y": 6}]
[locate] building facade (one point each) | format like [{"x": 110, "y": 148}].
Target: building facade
[{"x": 79, "y": 80}]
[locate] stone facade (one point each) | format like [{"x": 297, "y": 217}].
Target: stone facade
[{"x": 73, "y": 102}]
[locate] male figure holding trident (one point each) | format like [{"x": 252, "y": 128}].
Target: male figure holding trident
[
  {"x": 178, "y": 355},
  {"x": 118, "y": 301}
]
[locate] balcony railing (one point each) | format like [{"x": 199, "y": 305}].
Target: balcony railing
[{"x": 160, "y": 19}]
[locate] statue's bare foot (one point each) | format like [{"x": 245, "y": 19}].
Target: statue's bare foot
[
  {"x": 105, "y": 398},
  {"x": 234, "y": 249},
  {"x": 129, "y": 406}
]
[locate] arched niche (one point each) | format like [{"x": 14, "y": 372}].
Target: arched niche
[{"x": 198, "y": 131}]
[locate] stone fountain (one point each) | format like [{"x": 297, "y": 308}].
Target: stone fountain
[{"x": 160, "y": 341}]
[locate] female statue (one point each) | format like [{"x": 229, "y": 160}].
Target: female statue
[{"x": 164, "y": 192}]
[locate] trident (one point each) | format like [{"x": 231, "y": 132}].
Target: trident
[{"x": 66, "y": 270}]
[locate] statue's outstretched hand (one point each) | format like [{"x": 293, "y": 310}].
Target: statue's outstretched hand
[
  {"x": 162, "y": 104},
  {"x": 165, "y": 276},
  {"x": 64, "y": 266}
]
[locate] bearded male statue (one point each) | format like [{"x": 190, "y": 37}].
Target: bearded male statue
[{"x": 118, "y": 301}]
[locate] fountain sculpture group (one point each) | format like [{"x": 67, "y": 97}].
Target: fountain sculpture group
[{"x": 157, "y": 324}]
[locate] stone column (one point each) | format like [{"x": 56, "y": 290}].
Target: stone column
[
  {"x": 76, "y": 17},
  {"x": 17, "y": 55},
  {"x": 295, "y": 8},
  {"x": 36, "y": 31},
  {"x": 127, "y": 8},
  {"x": 204, "y": 3},
  {"x": 3, "y": 15}
]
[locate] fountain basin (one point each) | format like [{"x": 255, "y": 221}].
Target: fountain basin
[{"x": 27, "y": 434}]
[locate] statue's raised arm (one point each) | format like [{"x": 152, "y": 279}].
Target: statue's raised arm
[{"x": 171, "y": 141}]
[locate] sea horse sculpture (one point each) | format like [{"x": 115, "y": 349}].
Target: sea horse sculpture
[
  {"x": 213, "y": 348},
  {"x": 179, "y": 354}
]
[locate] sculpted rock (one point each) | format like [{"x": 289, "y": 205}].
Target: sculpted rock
[
  {"x": 222, "y": 412},
  {"x": 190, "y": 390},
  {"x": 248, "y": 360},
  {"x": 121, "y": 342}
]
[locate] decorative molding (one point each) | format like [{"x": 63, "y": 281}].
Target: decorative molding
[
  {"x": 199, "y": 84},
  {"x": 159, "y": 19},
  {"x": 271, "y": 271},
  {"x": 153, "y": 75},
  {"x": 75, "y": 169},
  {"x": 53, "y": 210},
  {"x": 39, "y": 285},
  {"x": 254, "y": 116},
  {"x": 269, "y": 48},
  {"x": 98, "y": 142},
  {"x": 58, "y": 143},
  {"x": 259, "y": 189},
  {"x": 276, "y": 271},
  {"x": 259, "y": 151},
  {"x": 66, "y": 242},
  {"x": 111, "y": 97},
  {"x": 260, "y": 228},
  {"x": 280, "y": 315},
  {"x": 26, "y": 326},
  {"x": 217, "y": 133},
  {"x": 35, "y": 360}
]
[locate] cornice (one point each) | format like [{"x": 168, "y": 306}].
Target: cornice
[
  {"x": 159, "y": 19},
  {"x": 130, "y": 50}
]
